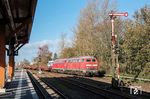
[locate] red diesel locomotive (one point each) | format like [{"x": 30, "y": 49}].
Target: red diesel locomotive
[{"x": 86, "y": 65}]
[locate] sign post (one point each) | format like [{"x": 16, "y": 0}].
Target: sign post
[{"x": 114, "y": 63}]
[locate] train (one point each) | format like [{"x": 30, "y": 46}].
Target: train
[{"x": 83, "y": 65}]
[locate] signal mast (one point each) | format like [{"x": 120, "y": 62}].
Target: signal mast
[{"x": 115, "y": 63}]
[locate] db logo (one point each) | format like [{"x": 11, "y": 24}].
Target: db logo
[{"x": 135, "y": 90}]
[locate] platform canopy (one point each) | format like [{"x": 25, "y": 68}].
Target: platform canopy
[{"x": 16, "y": 19}]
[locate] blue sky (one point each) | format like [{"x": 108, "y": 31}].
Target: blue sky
[{"x": 54, "y": 17}]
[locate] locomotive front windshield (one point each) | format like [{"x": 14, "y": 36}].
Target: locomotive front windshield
[
  {"x": 88, "y": 60},
  {"x": 93, "y": 60}
]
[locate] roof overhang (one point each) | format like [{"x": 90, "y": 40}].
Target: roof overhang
[{"x": 16, "y": 17}]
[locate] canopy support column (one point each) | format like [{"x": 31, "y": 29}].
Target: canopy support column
[
  {"x": 11, "y": 60},
  {"x": 2, "y": 56}
]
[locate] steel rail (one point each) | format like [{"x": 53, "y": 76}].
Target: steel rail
[
  {"x": 84, "y": 87},
  {"x": 55, "y": 89},
  {"x": 42, "y": 91},
  {"x": 102, "y": 92}
]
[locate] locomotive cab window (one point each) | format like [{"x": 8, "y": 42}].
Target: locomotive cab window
[
  {"x": 93, "y": 60},
  {"x": 88, "y": 60},
  {"x": 82, "y": 60}
]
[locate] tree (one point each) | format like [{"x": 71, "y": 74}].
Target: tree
[
  {"x": 136, "y": 44},
  {"x": 25, "y": 62},
  {"x": 44, "y": 55},
  {"x": 93, "y": 32},
  {"x": 68, "y": 52},
  {"x": 62, "y": 44},
  {"x": 55, "y": 56}
]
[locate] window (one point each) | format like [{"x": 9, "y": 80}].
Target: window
[
  {"x": 88, "y": 60},
  {"x": 82, "y": 60},
  {"x": 75, "y": 60},
  {"x": 93, "y": 60}
]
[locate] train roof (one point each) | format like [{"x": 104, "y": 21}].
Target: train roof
[
  {"x": 86, "y": 57},
  {"x": 60, "y": 60},
  {"x": 81, "y": 57}
]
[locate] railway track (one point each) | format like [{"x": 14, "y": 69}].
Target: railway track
[
  {"x": 63, "y": 96},
  {"x": 100, "y": 92},
  {"x": 42, "y": 93},
  {"x": 96, "y": 90},
  {"x": 123, "y": 91},
  {"x": 104, "y": 94},
  {"x": 72, "y": 91}
]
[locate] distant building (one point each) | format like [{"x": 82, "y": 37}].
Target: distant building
[{"x": 50, "y": 63}]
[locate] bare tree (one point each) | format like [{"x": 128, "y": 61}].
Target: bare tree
[
  {"x": 44, "y": 55},
  {"x": 62, "y": 44}
]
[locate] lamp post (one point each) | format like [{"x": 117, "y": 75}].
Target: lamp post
[{"x": 114, "y": 56}]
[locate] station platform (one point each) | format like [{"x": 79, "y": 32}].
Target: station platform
[{"x": 20, "y": 87}]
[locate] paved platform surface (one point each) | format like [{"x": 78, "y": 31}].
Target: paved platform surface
[{"x": 20, "y": 87}]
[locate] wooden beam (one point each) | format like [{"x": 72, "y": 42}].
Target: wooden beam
[
  {"x": 3, "y": 10},
  {"x": 16, "y": 8},
  {"x": 9, "y": 12},
  {"x": 19, "y": 47},
  {"x": 19, "y": 28},
  {"x": 2, "y": 57},
  {"x": 32, "y": 8},
  {"x": 16, "y": 20},
  {"x": 11, "y": 61},
  {"x": 32, "y": 13}
]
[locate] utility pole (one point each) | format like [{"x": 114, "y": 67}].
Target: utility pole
[{"x": 114, "y": 56}]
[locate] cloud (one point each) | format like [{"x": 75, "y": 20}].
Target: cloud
[
  {"x": 29, "y": 51},
  {"x": 38, "y": 44}
]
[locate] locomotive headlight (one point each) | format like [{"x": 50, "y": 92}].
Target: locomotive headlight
[
  {"x": 91, "y": 65},
  {"x": 94, "y": 64},
  {"x": 88, "y": 65}
]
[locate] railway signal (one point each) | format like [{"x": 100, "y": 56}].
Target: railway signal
[
  {"x": 114, "y": 55},
  {"x": 118, "y": 14}
]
